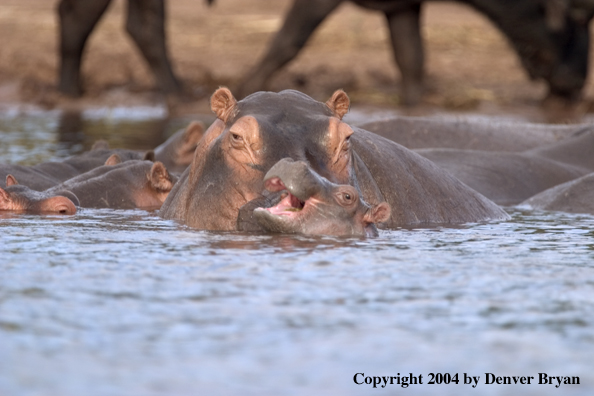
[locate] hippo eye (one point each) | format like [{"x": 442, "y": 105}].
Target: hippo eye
[
  {"x": 347, "y": 144},
  {"x": 347, "y": 197},
  {"x": 236, "y": 137}
]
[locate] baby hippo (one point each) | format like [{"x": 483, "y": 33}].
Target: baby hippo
[
  {"x": 18, "y": 198},
  {"x": 313, "y": 205},
  {"x": 121, "y": 185}
]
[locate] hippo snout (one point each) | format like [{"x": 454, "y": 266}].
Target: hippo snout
[{"x": 294, "y": 176}]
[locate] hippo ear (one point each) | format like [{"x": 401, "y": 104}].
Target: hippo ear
[
  {"x": 378, "y": 213},
  {"x": 149, "y": 156},
  {"x": 223, "y": 104},
  {"x": 193, "y": 133},
  {"x": 339, "y": 103},
  {"x": 5, "y": 200},
  {"x": 160, "y": 178},
  {"x": 100, "y": 145},
  {"x": 113, "y": 159},
  {"x": 11, "y": 180}
]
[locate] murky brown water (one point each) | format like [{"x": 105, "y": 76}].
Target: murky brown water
[{"x": 113, "y": 302}]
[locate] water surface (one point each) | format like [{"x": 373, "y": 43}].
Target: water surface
[{"x": 112, "y": 302}]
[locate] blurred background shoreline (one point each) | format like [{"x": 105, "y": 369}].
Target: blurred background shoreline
[{"x": 471, "y": 68}]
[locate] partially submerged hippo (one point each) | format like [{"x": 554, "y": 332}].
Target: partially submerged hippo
[
  {"x": 313, "y": 205},
  {"x": 121, "y": 185},
  {"x": 510, "y": 178},
  {"x": 470, "y": 133},
  {"x": 19, "y": 198},
  {"x": 576, "y": 196},
  {"x": 42, "y": 176},
  {"x": 252, "y": 135},
  {"x": 177, "y": 152}
]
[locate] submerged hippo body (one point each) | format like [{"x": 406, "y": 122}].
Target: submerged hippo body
[
  {"x": 19, "y": 198},
  {"x": 42, "y": 176},
  {"x": 252, "y": 135},
  {"x": 126, "y": 185},
  {"x": 576, "y": 196},
  {"x": 176, "y": 153},
  {"x": 313, "y": 205},
  {"x": 509, "y": 178},
  {"x": 470, "y": 134}
]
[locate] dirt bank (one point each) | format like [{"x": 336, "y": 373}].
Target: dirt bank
[{"x": 470, "y": 65}]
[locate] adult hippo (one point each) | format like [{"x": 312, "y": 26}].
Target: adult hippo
[
  {"x": 510, "y": 178},
  {"x": 470, "y": 133},
  {"x": 45, "y": 175},
  {"x": 310, "y": 204},
  {"x": 121, "y": 185},
  {"x": 252, "y": 135},
  {"x": 575, "y": 196},
  {"x": 176, "y": 153}
]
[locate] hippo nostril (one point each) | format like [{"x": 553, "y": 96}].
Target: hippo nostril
[
  {"x": 274, "y": 184},
  {"x": 63, "y": 209}
]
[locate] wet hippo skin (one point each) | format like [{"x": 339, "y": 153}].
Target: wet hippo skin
[
  {"x": 125, "y": 185},
  {"x": 310, "y": 204},
  {"x": 42, "y": 176},
  {"x": 252, "y": 135},
  {"x": 176, "y": 153},
  {"x": 19, "y": 198},
  {"x": 510, "y": 178},
  {"x": 470, "y": 134},
  {"x": 575, "y": 196}
]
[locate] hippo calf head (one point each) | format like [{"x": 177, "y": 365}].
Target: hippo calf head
[
  {"x": 19, "y": 198},
  {"x": 313, "y": 205}
]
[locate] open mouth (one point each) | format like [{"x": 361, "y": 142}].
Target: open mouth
[{"x": 288, "y": 203}]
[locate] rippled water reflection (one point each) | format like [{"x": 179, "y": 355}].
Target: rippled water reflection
[{"x": 124, "y": 303}]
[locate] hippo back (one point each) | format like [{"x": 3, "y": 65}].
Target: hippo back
[{"x": 418, "y": 191}]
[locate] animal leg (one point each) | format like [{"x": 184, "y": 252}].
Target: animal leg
[
  {"x": 146, "y": 25},
  {"x": 77, "y": 20},
  {"x": 301, "y": 21},
  {"x": 405, "y": 32}
]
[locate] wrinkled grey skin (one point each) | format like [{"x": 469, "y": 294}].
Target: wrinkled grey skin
[
  {"x": 46, "y": 175},
  {"x": 470, "y": 134},
  {"x": 17, "y": 197},
  {"x": 509, "y": 178},
  {"x": 127, "y": 185},
  {"x": 576, "y": 196},
  {"x": 176, "y": 153},
  {"x": 290, "y": 124},
  {"x": 315, "y": 206}
]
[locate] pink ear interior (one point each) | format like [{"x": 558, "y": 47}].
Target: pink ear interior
[
  {"x": 378, "y": 213},
  {"x": 339, "y": 103},
  {"x": 11, "y": 180},
  {"x": 222, "y": 103},
  {"x": 113, "y": 159},
  {"x": 160, "y": 178},
  {"x": 5, "y": 200}
]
